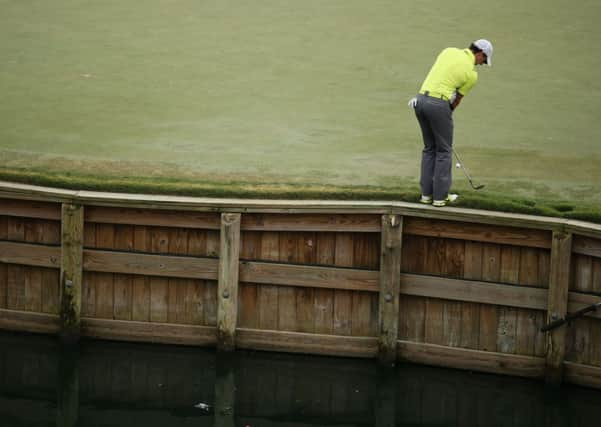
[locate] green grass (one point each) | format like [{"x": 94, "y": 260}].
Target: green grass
[
  {"x": 283, "y": 98},
  {"x": 277, "y": 190}
]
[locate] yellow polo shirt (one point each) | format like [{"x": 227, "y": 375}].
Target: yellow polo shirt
[{"x": 452, "y": 71}]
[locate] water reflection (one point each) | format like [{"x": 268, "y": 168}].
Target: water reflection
[{"x": 114, "y": 384}]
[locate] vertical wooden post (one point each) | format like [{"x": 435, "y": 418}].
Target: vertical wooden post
[
  {"x": 227, "y": 310},
  {"x": 559, "y": 281},
  {"x": 390, "y": 277},
  {"x": 71, "y": 270}
]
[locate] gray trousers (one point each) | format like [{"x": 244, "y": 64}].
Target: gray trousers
[{"x": 436, "y": 121}]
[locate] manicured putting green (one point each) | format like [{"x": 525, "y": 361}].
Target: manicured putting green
[{"x": 299, "y": 98}]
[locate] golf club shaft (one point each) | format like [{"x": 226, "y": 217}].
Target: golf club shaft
[{"x": 465, "y": 171}]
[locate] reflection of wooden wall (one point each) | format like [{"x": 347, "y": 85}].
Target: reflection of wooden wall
[
  {"x": 162, "y": 384},
  {"x": 473, "y": 295}
]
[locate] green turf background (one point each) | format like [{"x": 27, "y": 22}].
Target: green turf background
[{"x": 298, "y": 98}]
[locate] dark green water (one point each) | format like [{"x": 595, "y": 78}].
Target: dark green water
[{"x": 116, "y": 384}]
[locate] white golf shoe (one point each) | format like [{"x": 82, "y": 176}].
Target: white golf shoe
[
  {"x": 426, "y": 200},
  {"x": 450, "y": 199}
]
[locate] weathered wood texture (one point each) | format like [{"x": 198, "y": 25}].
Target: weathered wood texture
[
  {"x": 583, "y": 336},
  {"x": 495, "y": 302},
  {"x": 306, "y": 279},
  {"x": 153, "y": 274},
  {"x": 227, "y": 288},
  {"x": 71, "y": 271},
  {"x": 390, "y": 269},
  {"x": 304, "y": 282},
  {"x": 558, "y": 304},
  {"x": 29, "y": 264}
]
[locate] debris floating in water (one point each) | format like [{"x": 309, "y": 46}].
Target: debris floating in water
[{"x": 203, "y": 406}]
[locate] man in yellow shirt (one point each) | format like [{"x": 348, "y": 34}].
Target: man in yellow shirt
[{"x": 451, "y": 78}]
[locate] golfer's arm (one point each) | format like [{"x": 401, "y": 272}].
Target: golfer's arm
[{"x": 456, "y": 102}]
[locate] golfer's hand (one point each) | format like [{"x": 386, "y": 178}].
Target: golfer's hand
[{"x": 412, "y": 102}]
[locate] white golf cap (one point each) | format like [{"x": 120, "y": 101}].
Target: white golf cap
[{"x": 486, "y": 47}]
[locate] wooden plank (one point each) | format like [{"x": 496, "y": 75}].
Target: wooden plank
[
  {"x": 529, "y": 266},
  {"x": 227, "y": 311},
  {"x": 434, "y": 325},
  {"x": 286, "y": 295},
  {"x": 451, "y": 315},
  {"x": 561, "y": 251},
  {"x": 150, "y": 265},
  {"x": 412, "y": 310},
  {"x": 123, "y": 284},
  {"x": 578, "y": 341},
  {"x": 324, "y": 298},
  {"x": 195, "y": 289},
  {"x": 412, "y": 318},
  {"x": 311, "y": 222},
  {"x": 508, "y": 317},
  {"x": 30, "y": 254},
  {"x": 148, "y": 332},
  {"x": 365, "y": 307},
  {"x": 595, "y": 350},
  {"x": 577, "y": 301},
  {"x": 210, "y": 303},
  {"x": 178, "y": 245},
  {"x": 491, "y": 271},
  {"x": 159, "y": 286},
  {"x": 507, "y": 330},
  {"x": 71, "y": 272},
  {"x": 470, "y": 316},
  {"x": 414, "y": 253},
  {"x": 582, "y": 267},
  {"x": 390, "y": 279},
  {"x": 24, "y": 191},
  {"x": 528, "y": 332},
  {"x": 298, "y": 342},
  {"x": 32, "y": 291},
  {"x": 461, "y": 358},
  {"x": 309, "y": 276},
  {"x": 478, "y": 233},
  {"x": 451, "y": 312},
  {"x": 473, "y": 291},
  {"x": 248, "y": 309},
  {"x": 141, "y": 285},
  {"x": 268, "y": 295},
  {"x": 588, "y": 376},
  {"x": 343, "y": 300},
  {"x": 305, "y": 296},
  {"x": 152, "y": 217},
  {"x": 30, "y": 209},
  {"x": 470, "y": 325},
  {"x": 105, "y": 238},
  {"x": 3, "y": 266},
  {"x": 586, "y": 246},
  {"x": 22, "y": 321},
  {"x": 51, "y": 278}
]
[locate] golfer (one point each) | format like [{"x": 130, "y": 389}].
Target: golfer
[{"x": 451, "y": 78}]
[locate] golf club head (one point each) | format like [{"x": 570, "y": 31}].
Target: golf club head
[{"x": 479, "y": 187}]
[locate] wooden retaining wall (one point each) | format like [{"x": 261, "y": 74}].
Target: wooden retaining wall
[{"x": 450, "y": 287}]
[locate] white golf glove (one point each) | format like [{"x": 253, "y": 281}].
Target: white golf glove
[
  {"x": 453, "y": 97},
  {"x": 412, "y": 102}
]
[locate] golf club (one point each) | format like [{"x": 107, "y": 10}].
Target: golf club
[{"x": 469, "y": 178}]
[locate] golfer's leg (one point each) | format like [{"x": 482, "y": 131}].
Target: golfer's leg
[
  {"x": 442, "y": 127},
  {"x": 428, "y": 153}
]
